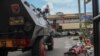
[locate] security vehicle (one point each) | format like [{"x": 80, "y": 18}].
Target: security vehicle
[{"x": 23, "y": 27}]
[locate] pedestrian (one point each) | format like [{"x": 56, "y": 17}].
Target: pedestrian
[{"x": 81, "y": 38}]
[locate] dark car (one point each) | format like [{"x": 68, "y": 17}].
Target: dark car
[{"x": 57, "y": 34}]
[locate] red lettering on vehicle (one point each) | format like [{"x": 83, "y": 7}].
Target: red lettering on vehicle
[{"x": 15, "y": 8}]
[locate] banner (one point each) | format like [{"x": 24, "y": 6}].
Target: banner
[{"x": 87, "y": 17}]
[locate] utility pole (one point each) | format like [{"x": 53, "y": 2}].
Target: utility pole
[
  {"x": 85, "y": 7},
  {"x": 95, "y": 28},
  {"x": 79, "y": 10},
  {"x": 85, "y": 23}
]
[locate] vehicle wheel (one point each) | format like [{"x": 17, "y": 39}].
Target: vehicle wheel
[
  {"x": 39, "y": 48},
  {"x": 50, "y": 47},
  {"x": 3, "y": 53}
]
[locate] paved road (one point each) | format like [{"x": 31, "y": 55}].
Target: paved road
[{"x": 61, "y": 45}]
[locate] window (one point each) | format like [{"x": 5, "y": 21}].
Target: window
[
  {"x": 34, "y": 8},
  {"x": 27, "y": 3}
]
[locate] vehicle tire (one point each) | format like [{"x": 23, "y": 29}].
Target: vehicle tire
[
  {"x": 51, "y": 41},
  {"x": 50, "y": 47},
  {"x": 39, "y": 48},
  {"x": 3, "y": 53}
]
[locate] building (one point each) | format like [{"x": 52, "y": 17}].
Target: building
[{"x": 67, "y": 21}]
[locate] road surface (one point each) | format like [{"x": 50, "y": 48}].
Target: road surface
[{"x": 61, "y": 45}]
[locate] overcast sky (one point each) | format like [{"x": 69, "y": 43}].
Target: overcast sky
[{"x": 65, "y": 6}]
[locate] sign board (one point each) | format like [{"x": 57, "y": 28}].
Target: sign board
[{"x": 88, "y": 17}]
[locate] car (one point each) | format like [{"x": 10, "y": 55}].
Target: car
[
  {"x": 64, "y": 33},
  {"x": 57, "y": 34}
]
